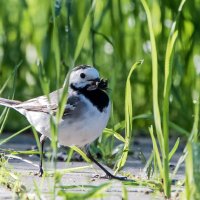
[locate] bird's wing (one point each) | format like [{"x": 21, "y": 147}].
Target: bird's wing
[
  {"x": 42, "y": 103},
  {"x": 9, "y": 102},
  {"x": 72, "y": 105},
  {"x": 50, "y": 105}
]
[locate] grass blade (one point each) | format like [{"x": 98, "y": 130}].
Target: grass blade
[
  {"x": 78, "y": 150},
  {"x": 175, "y": 147},
  {"x": 4, "y": 114},
  {"x": 196, "y": 169},
  {"x": 121, "y": 125},
  {"x": 128, "y": 118},
  {"x": 148, "y": 169},
  {"x": 192, "y": 181},
  {"x": 96, "y": 192},
  {"x": 84, "y": 33},
  {"x": 191, "y": 138},
  {"x": 156, "y": 151},
  {"x": 156, "y": 111},
  {"x": 3, "y": 118},
  {"x": 179, "y": 129},
  {"x": 116, "y": 135},
  {"x": 124, "y": 193},
  {"x": 15, "y": 134},
  {"x": 11, "y": 75},
  {"x": 167, "y": 89}
]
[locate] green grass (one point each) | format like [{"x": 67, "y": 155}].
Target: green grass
[
  {"x": 128, "y": 119},
  {"x": 162, "y": 131},
  {"x": 10, "y": 179}
]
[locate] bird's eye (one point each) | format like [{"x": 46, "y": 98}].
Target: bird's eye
[{"x": 82, "y": 75}]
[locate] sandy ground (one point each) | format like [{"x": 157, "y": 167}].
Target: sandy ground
[{"x": 27, "y": 167}]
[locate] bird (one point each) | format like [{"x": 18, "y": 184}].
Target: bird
[{"x": 86, "y": 112}]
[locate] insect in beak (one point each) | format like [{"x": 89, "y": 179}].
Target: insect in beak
[
  {"x": 98, "y": 83},
  {"x": 93, "y": 84}
]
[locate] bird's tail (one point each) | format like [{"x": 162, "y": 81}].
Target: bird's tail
[{"x": 8, "y": 102}]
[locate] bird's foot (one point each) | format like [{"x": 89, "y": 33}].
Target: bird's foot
[
  {"x": 39, "y": 173},
  {"x": 110, "y": 176}
]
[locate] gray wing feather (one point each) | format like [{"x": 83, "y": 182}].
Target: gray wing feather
[
  {"x": 43, "y": 104},
  {"x": 8, "y": 102},
  {"x": 72, "y": 104}
]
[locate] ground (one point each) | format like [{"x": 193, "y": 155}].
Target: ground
[{"x": 82, "y": 178}]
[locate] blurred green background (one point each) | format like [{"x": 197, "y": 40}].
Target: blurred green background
[{"x": 46, "y": 33}]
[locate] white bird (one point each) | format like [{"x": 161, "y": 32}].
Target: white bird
[{"x": 86, "y": 112}]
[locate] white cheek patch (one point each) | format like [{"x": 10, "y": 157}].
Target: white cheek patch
[
  {"x": 77, "y": 81},
  {"x": 80, "y": 84}
]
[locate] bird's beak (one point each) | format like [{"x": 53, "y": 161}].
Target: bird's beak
[
  {"x": 98, "y": 83},
  {"x": 94, "y": 84}
]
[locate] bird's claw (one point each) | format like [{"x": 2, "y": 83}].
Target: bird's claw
[
  {"x": 39, "y": 173},
  {"x": 110, "y": 176}
]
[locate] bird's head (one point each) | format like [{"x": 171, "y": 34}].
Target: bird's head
[{"x": 86, "y": 77}]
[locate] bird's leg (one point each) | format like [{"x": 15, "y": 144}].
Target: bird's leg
[
  {"x": 108, "y": 174},
  {"x": 42, "y": 141}
]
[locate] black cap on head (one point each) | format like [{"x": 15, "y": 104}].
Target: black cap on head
[{"x": 81, "y": 67}]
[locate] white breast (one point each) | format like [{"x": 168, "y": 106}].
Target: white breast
[{"x": 86, "y": 129}]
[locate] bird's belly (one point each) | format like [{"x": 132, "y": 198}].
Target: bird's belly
[
  {"x": 82, "y": 132},
  {"x": 40, "y": 121},
  {"x": 73, "y": 130}
]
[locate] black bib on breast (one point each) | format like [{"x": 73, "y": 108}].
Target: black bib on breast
[{"x": 97, "y": 97}]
